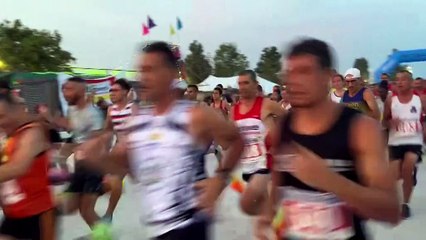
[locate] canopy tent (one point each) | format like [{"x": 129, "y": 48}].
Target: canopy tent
[{"x": 211, "y": 82}]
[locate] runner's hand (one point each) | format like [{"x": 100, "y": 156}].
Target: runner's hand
[
  {"x": 310, "y": 168},
  {"x": 209, "y": 191}
]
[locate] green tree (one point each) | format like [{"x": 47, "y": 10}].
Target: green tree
[
  {"x": 25, "y": 49},
  {"x": 362, "y": 65},
  {"x": 228, "y": 61},
  {"x": 269, "y": 64},
  {"x": 197, "y": 65}
]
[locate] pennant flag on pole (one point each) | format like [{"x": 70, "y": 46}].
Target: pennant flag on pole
[
  {"x": 172, "y": 30},
  {"x": 145, "y": 30},
  {"x": 179, "y": 25},
  {"x": 151, "y": 23}
]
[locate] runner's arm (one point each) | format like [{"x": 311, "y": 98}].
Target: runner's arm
[
  {"x": 32, "y": 142},
  {"x": 376, "y": 196},
  {"x": 372, "y": 104},
  {"x": 108, "y": 121}
]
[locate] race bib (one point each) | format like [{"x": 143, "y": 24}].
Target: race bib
[
  {"x": 317, "y": 221},
  {"x": 11, "y": 193},
  {"x": 251, "y": 152},
  {"x": 409, "y": 128}
]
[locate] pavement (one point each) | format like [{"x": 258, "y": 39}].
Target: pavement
[{"x": 231, "y": 224}]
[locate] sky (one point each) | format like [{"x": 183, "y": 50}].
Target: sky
[{"x": 106, "y": 33}]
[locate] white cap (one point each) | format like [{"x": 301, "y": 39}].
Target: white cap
[{"x": 354, "y": 72}]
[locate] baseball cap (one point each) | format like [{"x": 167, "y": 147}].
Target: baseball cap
[{"x": 354, "y": 72}]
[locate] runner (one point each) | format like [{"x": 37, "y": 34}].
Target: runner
[
  {"x": 24, "y": 187},
  {"x": 403, "y": 113},
  {"x": 358, "y": 97},
  {"x": 254, "y": 116},
  {"x": 164, "y": 146},
  {"x": 192, "y": 94},
  {"x": 218, "y": 102},
  {"x": 331, "y": 166},
  {"x": 338, "y": 84},
  {"x": 284, "y": 102},
  {"x": 117, "y": 116},
  {"x": 85, "y": 122}
]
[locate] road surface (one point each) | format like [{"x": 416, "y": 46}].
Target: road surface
[{"x": 231, "y": 224}]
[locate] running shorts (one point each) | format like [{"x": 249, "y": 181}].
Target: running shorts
[
  {"x": 398, "y": 152},
  {"x": 39, "y": 227},
  {"x": 269, "y": 160},
  {"x": 198, "y": 230},
  {"x": 86, "y": 180}
]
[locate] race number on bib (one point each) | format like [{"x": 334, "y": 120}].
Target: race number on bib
[
  {"x": 307, "y": 220},
  {"x": 11, "y": 192},
  {"x": 251, "y": 152},
  {"x": 408, "y": 128}
]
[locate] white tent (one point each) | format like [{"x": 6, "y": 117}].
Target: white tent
[{"x": 211, "y": 82}]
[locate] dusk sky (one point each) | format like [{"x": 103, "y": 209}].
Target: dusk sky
[{"x": 105, "y": 33}]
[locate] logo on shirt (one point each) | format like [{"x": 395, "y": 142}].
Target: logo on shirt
[
  {"x": 155, "y": 136},
  {"x": 413, "y": 109}
]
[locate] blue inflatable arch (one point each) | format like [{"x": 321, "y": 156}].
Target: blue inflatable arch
[{"x": 398, "y": 57}]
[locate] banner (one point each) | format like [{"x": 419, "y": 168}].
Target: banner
[{"x": 99, "y": 88}]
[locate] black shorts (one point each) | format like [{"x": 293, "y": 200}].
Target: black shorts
[
  {"x": 86, "y": 180},
  {"x": 198, "y": 230},
  {"x": 398, "y": 152},
  {"x": 39, "y": 227},
  {"x": 247, "y": 176}
]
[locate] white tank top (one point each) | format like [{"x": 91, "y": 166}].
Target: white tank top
[
  {"x": 165, "y": 161},
  {"x": 334, "y": 97},
  {"x": 410, "y": 130},
  {"x": 254, "y": 133}
]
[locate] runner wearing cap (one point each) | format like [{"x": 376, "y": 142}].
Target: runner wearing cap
[{"x": 358, "y": 97}]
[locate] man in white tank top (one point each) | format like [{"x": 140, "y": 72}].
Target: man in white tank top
[
  {"x": 402, "y": 115},
  {"x": 163, "y": 150}
]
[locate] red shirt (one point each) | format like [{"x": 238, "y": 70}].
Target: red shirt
[
  {"x": 255, "y": 113},
  {"x": 29, "y": 194}
]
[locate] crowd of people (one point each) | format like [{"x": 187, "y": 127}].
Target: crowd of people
[{"x": 317, "y": 163}]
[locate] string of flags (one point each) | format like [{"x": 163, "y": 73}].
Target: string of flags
[{"x": 146, "y": 27}]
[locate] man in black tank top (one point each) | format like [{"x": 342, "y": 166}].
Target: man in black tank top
[{"x": 330, "y": 163}]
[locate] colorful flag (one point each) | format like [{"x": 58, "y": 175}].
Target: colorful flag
[
  {"x": 145, "y": 29},
  {"x": 172, "y": 30},
  {"x": 151, "y": 23},
  {"x": 179, "y": 25}
]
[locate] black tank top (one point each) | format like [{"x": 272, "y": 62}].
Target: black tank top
[{"x": 332, "y": 146}]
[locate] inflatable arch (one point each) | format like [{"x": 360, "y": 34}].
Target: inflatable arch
[{"x": 398, "y": 57}]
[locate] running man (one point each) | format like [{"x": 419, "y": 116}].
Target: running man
[
  {"x": 25, "y": 194},
  {"x": 192, "y": 94},
  {"x": 330, "y": 159},
  {"x": 87, "y": 184},
  {"x": 359, "y": 97},
  {"x": 338, "y": 85},
  {"x": 163, "y": 150},
  {"x": 254, "y": 116},
  {"x": 403, "y": 113}
]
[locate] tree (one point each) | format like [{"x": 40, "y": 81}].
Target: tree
[
  {"x": 362, "y": 65},
  {"x": 25, "y": 49},
  {"x": 269, "y": 64},
  {"x": 197, "y": 65},
  {"x": 228, "y": 61}
]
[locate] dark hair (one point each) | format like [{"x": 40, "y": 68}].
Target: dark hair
[
  {"x": 76, "y": 80},
  {"x": 7, "y": 98},
  {"x": 314, "y": 47},
  {"x": 386, "y": 74},
  {"x": 218, "y": 89},
  {"x": 193, "y": 86},
  {"x": 249, "y": 73},
  {"x": 340, "y": 76},
  {"x": 124, "y": 84},
  {"x": 259, "y": 88},
  {"x": 384, "y": 85},
  {"x": 5, "y": 84},
  {"x": 220, "y": 86},
  {"x": 170, "y": 53},
  {"x": 419, "y": 78}
]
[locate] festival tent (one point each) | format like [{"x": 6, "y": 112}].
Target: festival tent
[{"x": 231, "y": 82}]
